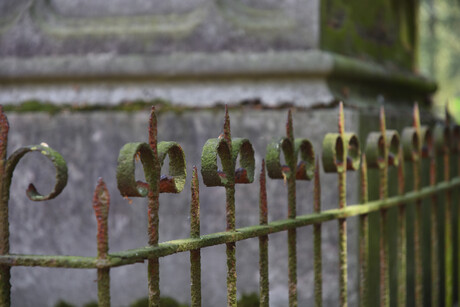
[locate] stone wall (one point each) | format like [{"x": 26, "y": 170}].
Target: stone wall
[{"x": 86, "y": 71}]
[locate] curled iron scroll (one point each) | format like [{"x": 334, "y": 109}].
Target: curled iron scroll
[
  {"x": 58, "y": 162},
  {"x": 303, "y": 151},
  {"x": 126, "y": 181},
  {"x": 393, "y": 142},
  {"x": 274, "y": 167},
  {"x": 456, "y": 139},
  {"x": 131, "y": 152},
  {"x": 213, "y": 176},
  {"x": 442, "y": 138},
  {"x": 337, "y": 157},
  {"x": 242, "y": 148},
  {"x": 415, "y": 145},
  {"x": 174, "y": 182},
  {"x": 375, "y": 149}
]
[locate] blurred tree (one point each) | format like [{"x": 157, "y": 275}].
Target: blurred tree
[{"x": 440, "y": 51}]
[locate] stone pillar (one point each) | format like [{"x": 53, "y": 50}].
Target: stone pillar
[{"x": 80, "y": 75}]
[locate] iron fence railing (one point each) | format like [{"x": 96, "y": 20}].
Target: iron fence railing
[{"x": 340, "y": 153}]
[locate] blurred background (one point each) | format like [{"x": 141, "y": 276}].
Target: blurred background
[
  {"x": 439, "y": 50},
  {"x": 82, "y": 75}
]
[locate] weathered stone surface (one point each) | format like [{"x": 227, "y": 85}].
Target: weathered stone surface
[
  {"x": 380, "y": 30},
  {"x": 90, "y": 143},
  {"x": 60, "y": 27}
]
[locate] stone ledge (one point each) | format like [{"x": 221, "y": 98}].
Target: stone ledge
[{"x": 182, "y": 71}]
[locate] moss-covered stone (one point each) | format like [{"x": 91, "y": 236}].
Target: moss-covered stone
[{"x": 381, "y": 30}]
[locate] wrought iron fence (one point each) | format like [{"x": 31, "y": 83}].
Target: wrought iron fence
[{"x": 340, "y": 153}]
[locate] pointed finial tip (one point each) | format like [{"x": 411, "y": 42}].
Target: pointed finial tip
[{"x": 100, "y": 183}]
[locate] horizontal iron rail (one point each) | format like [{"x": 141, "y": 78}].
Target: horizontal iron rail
[{"x": 183, "y": 245}]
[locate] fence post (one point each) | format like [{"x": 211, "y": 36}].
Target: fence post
[
  {"x": 289, "y": 172},
  {"x": 341, "y": 152},
  {"x": 101, "y": 204},
  {"x": 228, "y": 150}
]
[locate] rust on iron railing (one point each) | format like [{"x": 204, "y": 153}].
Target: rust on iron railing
[
  {"x": 290, "y": 172},
  {"x": 340, "y": 152}
]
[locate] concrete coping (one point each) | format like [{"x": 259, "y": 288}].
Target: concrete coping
[{"x": 178, "y": 66}]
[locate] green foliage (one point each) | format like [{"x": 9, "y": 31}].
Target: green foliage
[
  {"x": 91, "y": 304},
  {"x": 164, "y": 302},
  {"x": 62, "y": 303},
  {"x": 439, "y": 49},
  {"x": 142, "y": 302},
  {"x": 249, "y": 300}
]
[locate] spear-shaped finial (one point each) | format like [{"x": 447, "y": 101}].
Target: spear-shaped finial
[
  {"x": 341, "y": 120},
  {"x": 383, "y": 127},
  {"x": 289, "y": 126},
  {"x": 101, "y": 203},
  {"x": 4, "y": 127},
  {"x": 447, "y": 114},
  {"x": 153, "y": 131},
  {"x": 416, "y": 116},
  {"x": 227, "y": 133}
]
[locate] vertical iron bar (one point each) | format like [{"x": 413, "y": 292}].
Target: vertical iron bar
[
  {"x": 343, "y": 222},
  {"x": 292, "y": 233},
  {"x": 195, "y": 255},
  {"x": 383, "y": 192},
  {"x": 230, "y": 218},
  {"x": 416, "y": 166},
  {"x": 402, "y": 237},
  {"x": 5, "y": 274},
  {"x": 317, "y": 239},
  {"x": 153, "y": 219},
  {"x": 263, "y": 241},
  {"x": 448, "y": 234},
  {"x": 101, "y": 204},
  {"x": 363, "y": 238},
  {"x": 457, "y": 145},
  {"x": 434, "y": 238}
]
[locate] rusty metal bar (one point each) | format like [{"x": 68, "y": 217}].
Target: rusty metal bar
[
  {"x": 343, "y": 278},
  {"x": 228, "y": 150},
  {"x": 185, "y": 245},
  {"x": 341, "y": 152},
  {"x": 317, "y": 240},
  {"x": 456, "y": 150},
  {"x": 263, "y": 241},
  {"x": 101, "y": 203},
  {"x": 383, "y": 193},
  {"x": 402, "y": 237},
  {"x": 363, "y": 238},
  {"x": 416, "y": 167},
  {"x": 195, "y": 255},
  {"x": 434, "y": 238},
  {"x": 7, "y": 167},
  {"x": 292, "y": 170},
  {"x": 153, "y": 218},
  {"x": 448, "y": 235},
  {"x": 5, "y": 275},
  {"x": 292, "y": 233},
  {"x": 230, "y": 217}
]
